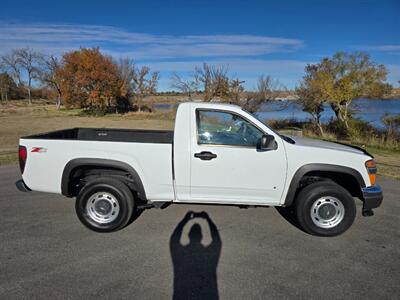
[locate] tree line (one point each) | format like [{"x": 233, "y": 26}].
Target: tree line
[{"x": 89, "y": 79}]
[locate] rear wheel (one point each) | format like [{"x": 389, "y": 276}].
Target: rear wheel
[
  {"x": 104, "y": 205},
  {"x": 325, "y": 208}
]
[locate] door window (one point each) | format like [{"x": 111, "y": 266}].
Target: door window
[{"x": 224, "y": 128}]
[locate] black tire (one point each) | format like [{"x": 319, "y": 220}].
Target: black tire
[
  {"x": 308, "y": 205},
  {"x": 116, "y": 190}
]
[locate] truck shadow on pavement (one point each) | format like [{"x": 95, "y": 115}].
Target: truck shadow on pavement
[
  {"x": 195, "y": 265},
  {"x": 289, "y": 215}
]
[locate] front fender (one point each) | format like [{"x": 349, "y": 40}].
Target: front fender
[{"x": 294, "y": 184}]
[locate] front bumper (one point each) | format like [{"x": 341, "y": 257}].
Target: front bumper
[
  {"x": 22, "y": 186},
  {"x": 372, "y": 196}
]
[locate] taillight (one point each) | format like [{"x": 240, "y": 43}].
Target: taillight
[
  {"x": 371, "y": 168},
  {"x": 22, "y": 154}
]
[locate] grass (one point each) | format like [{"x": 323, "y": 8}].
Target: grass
[{"x": 17, "y": 119}]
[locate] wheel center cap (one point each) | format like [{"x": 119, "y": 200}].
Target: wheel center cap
[
  {"x": 103, "y": 207},
  {"x": 327, "y": 211}
]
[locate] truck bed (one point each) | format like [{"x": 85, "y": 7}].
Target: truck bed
[{"x": 108, "y": 135}]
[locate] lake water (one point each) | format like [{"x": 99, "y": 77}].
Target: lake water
[{"x": 365, "y": 109}]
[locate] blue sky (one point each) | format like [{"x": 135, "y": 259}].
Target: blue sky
[{"x": 275, "y": 38}]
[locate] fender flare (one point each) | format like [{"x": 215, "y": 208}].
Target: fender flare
[
  {"x": 290, "y": 196},
  {"x": 99, "y": 162}
]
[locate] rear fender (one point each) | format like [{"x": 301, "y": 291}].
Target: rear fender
[{"x": 66, "y": 188}]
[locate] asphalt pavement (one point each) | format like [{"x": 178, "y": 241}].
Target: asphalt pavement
[{"x": 250, "y": 253}]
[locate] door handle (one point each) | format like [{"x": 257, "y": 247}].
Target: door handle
[{"x": 205, "y": 155}]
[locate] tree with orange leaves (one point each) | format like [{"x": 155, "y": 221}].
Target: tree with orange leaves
[{"x": 89, "y": 79}]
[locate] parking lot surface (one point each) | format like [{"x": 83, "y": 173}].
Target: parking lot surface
[{"x": 244, "y": 253}]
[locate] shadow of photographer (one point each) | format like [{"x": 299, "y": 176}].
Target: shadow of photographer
[{"x": 195, "y": 265}]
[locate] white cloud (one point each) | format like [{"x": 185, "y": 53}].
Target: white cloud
[
  {"x": 237, "y": 65},
  {"x": 119, "y": 42},
  {"x": 386, "y": 48}
]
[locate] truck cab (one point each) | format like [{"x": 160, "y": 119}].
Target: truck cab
[{"x": 218, "y": 157}]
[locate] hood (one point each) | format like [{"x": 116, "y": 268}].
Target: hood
[{"x": 307, "y": 142}]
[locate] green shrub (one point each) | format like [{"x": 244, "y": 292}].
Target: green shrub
[
  {"x": 392, "y": 124},
  {"x": 337, "y": 128},
  {"x": 360, "y": 129},
  {"x": 286, "y": 123}
]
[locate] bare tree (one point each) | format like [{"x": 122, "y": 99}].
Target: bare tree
[
  {"x": 10, "y": 63},
  {"x": 144, "y": 84},
  {"x": 22, "y": 60},
  {"x": 203, "y": 75},
  {"x": 188, "y": 86},
  {"x": 47, "y": 73},
  {"x": 236, "y": 91},
  {"x": 268, "y": 89},
  {"x": 126, "y": 68},
  {"x": 214, "y": 79},
  {"x": 137, "y": 82},
  {"x": 27, "y": 61}
]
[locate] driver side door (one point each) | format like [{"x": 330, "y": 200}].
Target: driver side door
[{"x": 226, "y": 165}]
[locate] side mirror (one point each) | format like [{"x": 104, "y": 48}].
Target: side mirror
[{"x": 267, "y": 142}]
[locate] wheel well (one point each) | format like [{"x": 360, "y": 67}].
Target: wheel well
[
  {"x": 80, "y": 171},
  {"x": 347, "y": 177},
  {"x": 83, "y": 174},
  {"x": 347, "y": 181}
]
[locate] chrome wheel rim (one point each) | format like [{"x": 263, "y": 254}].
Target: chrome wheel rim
[
  {"x": 327, "y": 212},
  {"x": 102, "y": 207}
]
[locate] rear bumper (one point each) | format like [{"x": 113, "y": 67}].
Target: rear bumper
[
  {"x": 373, "y": 197},
  {"x": 20, "y": 184}
]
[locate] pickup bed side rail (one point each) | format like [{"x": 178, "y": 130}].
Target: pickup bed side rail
[
  {"x": 108, "y": 135},
  {"x": 72, "y": 165}
]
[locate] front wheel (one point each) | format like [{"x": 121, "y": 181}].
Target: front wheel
[
  {"x": 325, "y": 208},
  {"x": 104, "y": 205}
]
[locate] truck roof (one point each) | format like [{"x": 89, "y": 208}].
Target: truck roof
[{"x": 211, "y": 104}]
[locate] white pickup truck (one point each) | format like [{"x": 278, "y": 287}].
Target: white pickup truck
[{"x": 217, "y": 154}]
